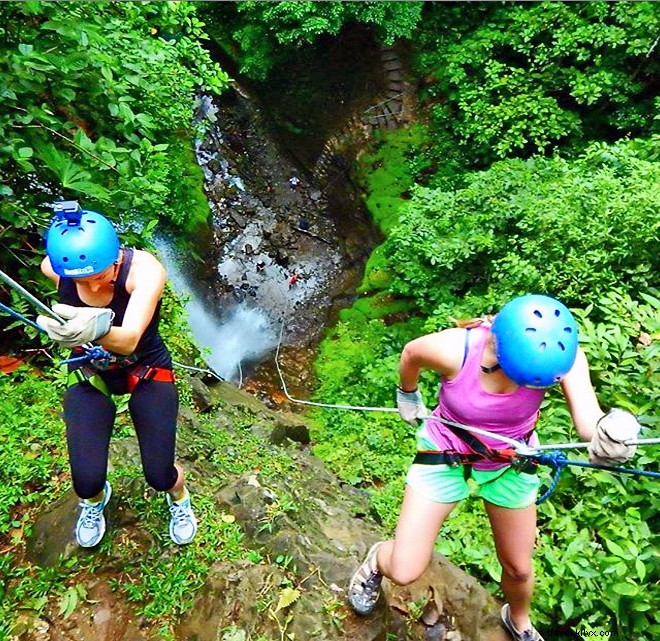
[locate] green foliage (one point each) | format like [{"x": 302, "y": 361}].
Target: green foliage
[
  {"x": 548, "y": 225},
  {"x": 98, "y": 104},
  {"x": 595, "y": 566},
  {"x": 520, "y": 78},
  {"x": 32, "y": 462},
  {"x": 385, "y": 173},
  {"x": 362, "y": 447},
  {"x": 624, "y": 350},
  {"x": 31, "y": 447},
  {"x": 164, "y": 586},
  {"x": 261, "y": 34}
]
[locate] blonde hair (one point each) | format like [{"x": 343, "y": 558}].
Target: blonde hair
[{"x": 468, "y": 323}]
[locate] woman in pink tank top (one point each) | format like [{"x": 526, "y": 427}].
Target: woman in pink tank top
[{"x": 494, "y": 377}]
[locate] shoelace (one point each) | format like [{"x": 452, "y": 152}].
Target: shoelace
[
  {"x": 179, "y": 513},
  {"x": 91, "y": 514},
  {"x": 369, "y": 587},
  {"x": 527, "y": 635}
]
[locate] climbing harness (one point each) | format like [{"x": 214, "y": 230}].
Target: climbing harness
[
  {"x": 148, "y": 373},
  {"x": 520, "y": 455},
  {"x": 86, "y": 374},
  {"x": 90, "y": 352},
  {"x": 453, "y": 459},
  {"x": 523, "y": 459}
]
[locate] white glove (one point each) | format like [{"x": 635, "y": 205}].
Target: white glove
[
  {"x": 608, "y": 442},
  {"x": 411, "y": 406},
  {"x": 83, "y": 324}
]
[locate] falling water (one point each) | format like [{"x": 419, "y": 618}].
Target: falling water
[{"x": 228, "y": 342}]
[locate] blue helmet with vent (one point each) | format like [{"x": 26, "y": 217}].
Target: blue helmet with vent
[
  {"x": 79, "y": 242},
  {"x": 536, "y": 340}
]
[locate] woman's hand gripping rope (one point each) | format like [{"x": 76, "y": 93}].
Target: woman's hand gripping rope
[
  {"x": 76, "y": 326},
  {"x": 522, "y": 451},
  {"x": 609, "y": 443},
  {"x": 92, "y": 352},
  {"x": 614, "y": 442},
  {"x": 410, "y": 406}
]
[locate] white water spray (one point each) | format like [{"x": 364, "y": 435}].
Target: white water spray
[{"x": 244, "y": 335}]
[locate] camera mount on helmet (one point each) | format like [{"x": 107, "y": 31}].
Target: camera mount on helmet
[
  {"x": 69, "y": 210},
  {"x": 80, "y": 242}
]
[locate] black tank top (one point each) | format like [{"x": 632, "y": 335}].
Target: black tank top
[{"x": 151, "y": 349}]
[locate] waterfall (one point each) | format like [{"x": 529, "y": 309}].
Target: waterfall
[{"x": 229, "y": 341}]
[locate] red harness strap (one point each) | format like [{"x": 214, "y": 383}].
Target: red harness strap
[{"x": 147, "y": 373}]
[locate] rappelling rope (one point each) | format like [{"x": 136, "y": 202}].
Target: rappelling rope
[
  {"x": 8, "y": 280},
  {"x": 555, "y": 459},
  {"x": 20, "y": 317},
  {"x": 92, "y": 352},
  {"x": 558, "y": 461},
  {"x": 520, "y": 447},
  {"x": 210, "y": 372}
]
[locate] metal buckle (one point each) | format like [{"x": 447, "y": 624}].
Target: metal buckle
[
  {"x": 525, "y": 465},
  {"x": 453, "y": 459}
]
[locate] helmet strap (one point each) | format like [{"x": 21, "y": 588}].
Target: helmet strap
[
  {"x": 490, "y": 370},
  {"x": 117, "y": 264}
]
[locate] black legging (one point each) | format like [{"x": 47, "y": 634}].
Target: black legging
[{"x": 90, "y": 415}]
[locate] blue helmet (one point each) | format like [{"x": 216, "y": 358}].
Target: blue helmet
[
  {"x": 536, "y": 340},
  {"x": 79, "y": 242}
]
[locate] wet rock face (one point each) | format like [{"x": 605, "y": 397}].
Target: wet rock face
[
  {"x": 276, "y": 243},
  {"x": 290, "y": 235}
]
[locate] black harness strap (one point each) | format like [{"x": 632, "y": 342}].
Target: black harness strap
[
  {"x": 479, "y": 447},
  {"x": 454, "y": 459},
  {"x": 480, "y": 451}
]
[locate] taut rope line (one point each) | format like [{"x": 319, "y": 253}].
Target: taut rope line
[{"x": 522, "y": 449}]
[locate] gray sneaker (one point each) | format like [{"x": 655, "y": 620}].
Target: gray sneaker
[
  {"x": 527, "y": 635},
  {"x": 364, "y": 588},
  {"x": 90, "y": 527},
  {"x": 183, "y": 524}
]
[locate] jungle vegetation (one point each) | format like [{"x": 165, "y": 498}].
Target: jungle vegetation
[{"x": 532, "y": 166}]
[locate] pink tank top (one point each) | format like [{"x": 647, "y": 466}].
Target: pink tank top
[{"x": 463, "y": 400}]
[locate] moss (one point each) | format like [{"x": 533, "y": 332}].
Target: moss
[
  {"x": 351, "y": 315},
  {"x": 387, "y": 173},
  {"x": 195, "y": 211},
  {"x": 380, "y": 305},
  {"x": 387, "y": 176}
]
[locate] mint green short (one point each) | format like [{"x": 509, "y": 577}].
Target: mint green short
[{"x": 505, "y": 487}]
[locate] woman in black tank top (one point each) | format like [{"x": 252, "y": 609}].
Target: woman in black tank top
[{"x": 110, "y": 296}]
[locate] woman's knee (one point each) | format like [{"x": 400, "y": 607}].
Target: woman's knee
[
  {"x": 161, "y": 480},
  {"x": 520, "y": 572},
  {"x": 405, "y": 573},
  {"x": 87, "y": 486}
]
